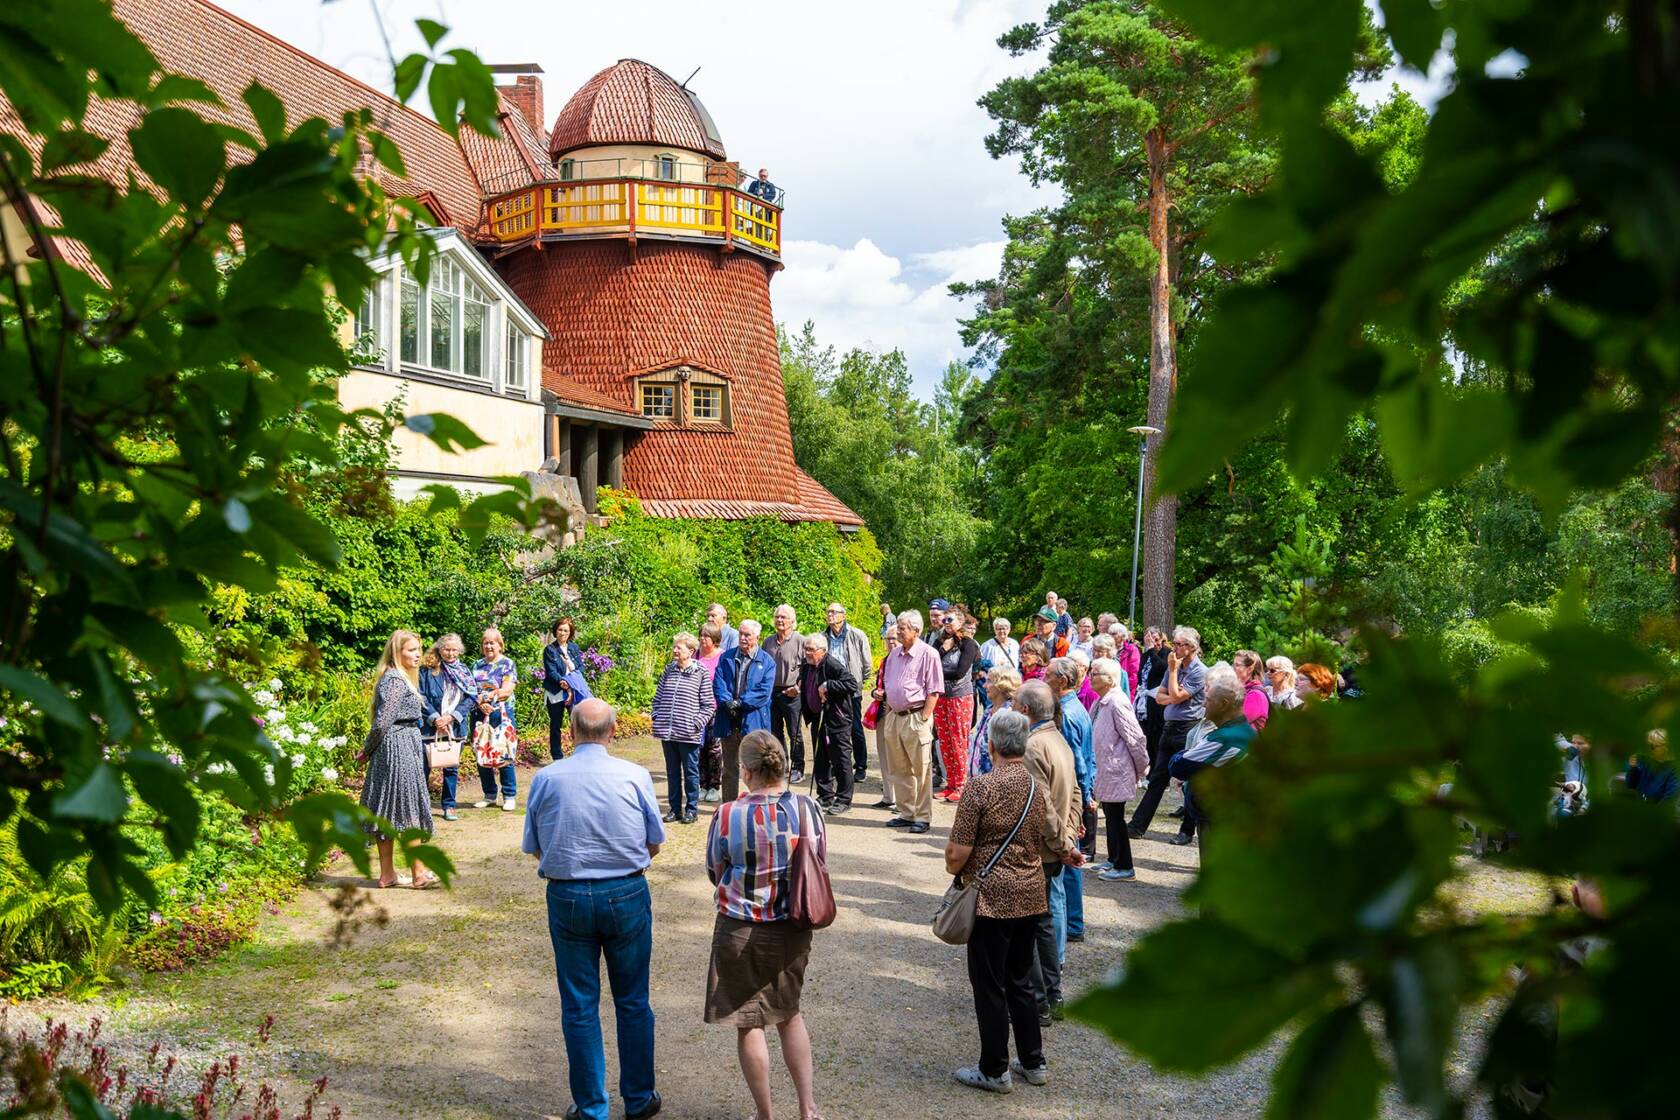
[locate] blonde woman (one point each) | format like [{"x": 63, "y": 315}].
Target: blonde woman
[{"x": 395, "y": 789}]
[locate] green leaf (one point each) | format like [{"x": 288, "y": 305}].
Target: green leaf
[
  {"x": 100, "y": 798},
  {"x": 31, "y": 686},
  {"x": 179, "y": 87},
  {"x": 1419, "y": 996},
  {"x": 68, "y": 147},
  {"x": 444, "y": 430},
  {"x": 1329, "y": 1073},
  {"x": 431, "y": 30},
  {"x": 180, "y": 152},
  {"x": 301, "y": 530},
  {"x": 266, "y": 109},
  {"x": 407, "y": 75},
  {"x": 1415, "y": 28},
  {"x": 1305, "y": 49},
  {"x": 1196, "y": 994}
]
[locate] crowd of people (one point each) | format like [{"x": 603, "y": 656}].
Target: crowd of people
[{"x": 1040, "y": 743}]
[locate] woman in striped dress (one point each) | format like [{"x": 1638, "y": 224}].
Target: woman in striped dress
[
  {"x": 758, "y": 958},
  {"x": 683, "y": 704}
]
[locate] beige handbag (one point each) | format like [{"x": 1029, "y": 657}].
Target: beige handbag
[{"x": 443, "y": 754}]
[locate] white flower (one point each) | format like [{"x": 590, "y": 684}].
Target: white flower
[
  {"x": 298, "y": 760},
  {"x": 303, "y": 740},
  {"x": 328, "y": 774},
  {"x": 268, "y": 773},
  {"x": 263, "y": 696},
  {"x": 275, "y": 715},
  {"x": 308, "y": 727},
  {"x": 276, "y": 684},
  {"x": 216, "y": 768}
]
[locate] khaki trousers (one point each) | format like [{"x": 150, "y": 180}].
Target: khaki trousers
[{"x": 910, "y": 747}]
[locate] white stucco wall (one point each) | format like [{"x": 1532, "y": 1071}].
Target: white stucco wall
[{"x": 512, "y": 429}]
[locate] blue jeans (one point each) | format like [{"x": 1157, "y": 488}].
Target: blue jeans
[
  {"x": 1059, "y": 913},
  {"x": 682, "y": 770},
  {"x": 487, "y": 779},
  {"x": 451, "y": 776},
  {"x": 587, "y": 917},
  {"x": 1073, "y": 888}
]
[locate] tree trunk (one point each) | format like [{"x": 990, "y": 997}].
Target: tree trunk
[{"x": 1160, "y": 522}]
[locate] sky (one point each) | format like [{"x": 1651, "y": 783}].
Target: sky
[{"x": 864, "y": 112}]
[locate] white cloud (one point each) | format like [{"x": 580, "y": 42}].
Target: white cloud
[{"x": 864, "y": 296}]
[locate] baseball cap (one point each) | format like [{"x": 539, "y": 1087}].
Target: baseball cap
[
  {"x": 1047, "y": 614},
  {"x": 940, "y": 604}
]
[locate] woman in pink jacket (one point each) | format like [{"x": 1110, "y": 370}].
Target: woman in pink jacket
[
  {"x": 1122, "y": 758},
  {"x": 1251, "y": 674}
]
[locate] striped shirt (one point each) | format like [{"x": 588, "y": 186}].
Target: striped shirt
[
  {"x": 750, "y": 849},
  {"x": 683, "y": 703}
]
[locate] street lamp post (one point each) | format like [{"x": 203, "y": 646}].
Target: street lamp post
[{"x": 1143, "y": 432}]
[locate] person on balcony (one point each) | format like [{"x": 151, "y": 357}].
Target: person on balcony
[{"x": 762, "y": 187}]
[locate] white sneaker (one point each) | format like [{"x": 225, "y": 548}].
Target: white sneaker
[
  {"x": 482, "y": 803},
  {"x": 1039, "y": 1076},
  {"x": 974, "y": 1079},
  {"x": 508, "y": 805}
]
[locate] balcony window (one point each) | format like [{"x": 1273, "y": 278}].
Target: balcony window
[
  {"x": 665, "y": 167},
  {"x": 516, "y": 368},
  {"x": 659, "y": 402},
  {"x": 370, "y": 319},
  {"x": 707, "y": 403},
  {"x": 410, "y": 319},
  {"x": 567, "y": 167}
]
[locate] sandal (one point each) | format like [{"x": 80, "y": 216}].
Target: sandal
[
  {"x": 428, "y": 883},
  {"x": 381, "y": 884}
]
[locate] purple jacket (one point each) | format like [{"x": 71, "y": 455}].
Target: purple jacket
[{"x": 1121, "y": 751}]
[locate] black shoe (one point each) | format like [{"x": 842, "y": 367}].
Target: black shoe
[
  {"x": 837, "y": 810},
  {"x": 883, "y": 804},
  {"x": 572, "y": 1113},
  {"x": 690, "y": 817},
  {"x": 796, "y": 777},
  {"x": 1075, "y": 938},
  {"x": 652, "y": 1109},
  {"x": 1044, "y": 1020},
  {"x": 859, "y": 775},
  {"x": 1135, "y": 833},
  {"x": 1177, "y": 814},
  {"x": 919, "y": 827},
  {"x": 672, "y": 817},
  {"x": 1180, "y": 839},
  {"x": 899, "y": 822}
]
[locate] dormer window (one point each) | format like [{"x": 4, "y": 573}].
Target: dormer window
[
  {"x": 665, "y": 167},
  {"x": 707, "y": 402},
  {"x": 659, "y": 401},
  {"x": 567, "y": 167}
]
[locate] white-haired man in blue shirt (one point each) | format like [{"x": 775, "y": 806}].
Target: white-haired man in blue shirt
[{"x": 592, "y": 821}]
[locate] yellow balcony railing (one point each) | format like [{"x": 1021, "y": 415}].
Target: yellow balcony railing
[{"x": 630, "y": 206}]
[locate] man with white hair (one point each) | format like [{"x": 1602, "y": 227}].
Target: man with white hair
[
  {"x": 786, "y": 647},
  {"x": 718, "y": 615},
  {"x": 1183, "y": 697},
  {"x": 910, "y": 686},
  {"x": 850, "y": 646},
  {"x": 1050, "y": 760},
  {"x": 742, "y": 685}
]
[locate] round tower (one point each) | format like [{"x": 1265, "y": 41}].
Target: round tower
[{"x": 650, "y": 266}]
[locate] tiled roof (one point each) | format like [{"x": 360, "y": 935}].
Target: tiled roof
[
  {"x": 829, "y": 509},
  {"x": 816, "y": 499},
  {"x": 632, "y": 102},
  {"x": 518, "y": 159},
  {"x": 572, "y": 391},
  {"x": 197, "y": 38}
]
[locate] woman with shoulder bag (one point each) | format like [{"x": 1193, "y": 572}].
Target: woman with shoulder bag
[
  {"x": 494, "y": 679},
  {"x": 563, "y": 684},
  {"x": 995, "y": 838},
  {"x": 446, "y": 698},
  {"x": 759, "y": 952}
]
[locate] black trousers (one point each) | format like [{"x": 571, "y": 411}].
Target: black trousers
[
  {"x": 832, "y": 748},
  {"x": 1119, "y": 841},
  {"x": 1088, "y": 842},
  {"x": 860, "y": 743},
  {"x": 1170, "y": 743},
  {"x": 1000, "y": 957},
  {"x": 556, "y": 726},
  {"x": 785, "y": 725},
  {"x": 1047, "y": 962}
]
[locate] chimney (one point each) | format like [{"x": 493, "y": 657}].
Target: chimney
[{"x": 525, "y": 96}]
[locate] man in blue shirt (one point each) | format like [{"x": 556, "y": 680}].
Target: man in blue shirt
[
  {"x": 592, "y": 821},
  {"x": 1063, "y": 676},
  {"x": 718, "y": 614},
  {"x": 742, "y": 685},
  {"x": 762, "y": 187}
]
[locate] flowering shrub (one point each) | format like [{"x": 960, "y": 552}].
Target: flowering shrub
[
  {"x": 56, "y": 1072},
  {"x": 309, "y": 755}
]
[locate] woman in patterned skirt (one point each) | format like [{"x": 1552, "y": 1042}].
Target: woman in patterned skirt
[
  {"x": 395, "y": 789},
  {"x": 954, "y": 713}
]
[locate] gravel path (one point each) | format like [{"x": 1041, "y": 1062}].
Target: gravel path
[{"x": 450, "y": 1009}]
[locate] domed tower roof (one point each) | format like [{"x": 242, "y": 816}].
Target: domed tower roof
[{"x": 632, "y": 102}]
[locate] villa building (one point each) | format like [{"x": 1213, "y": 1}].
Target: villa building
[{"x": 601, "y": 303}]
